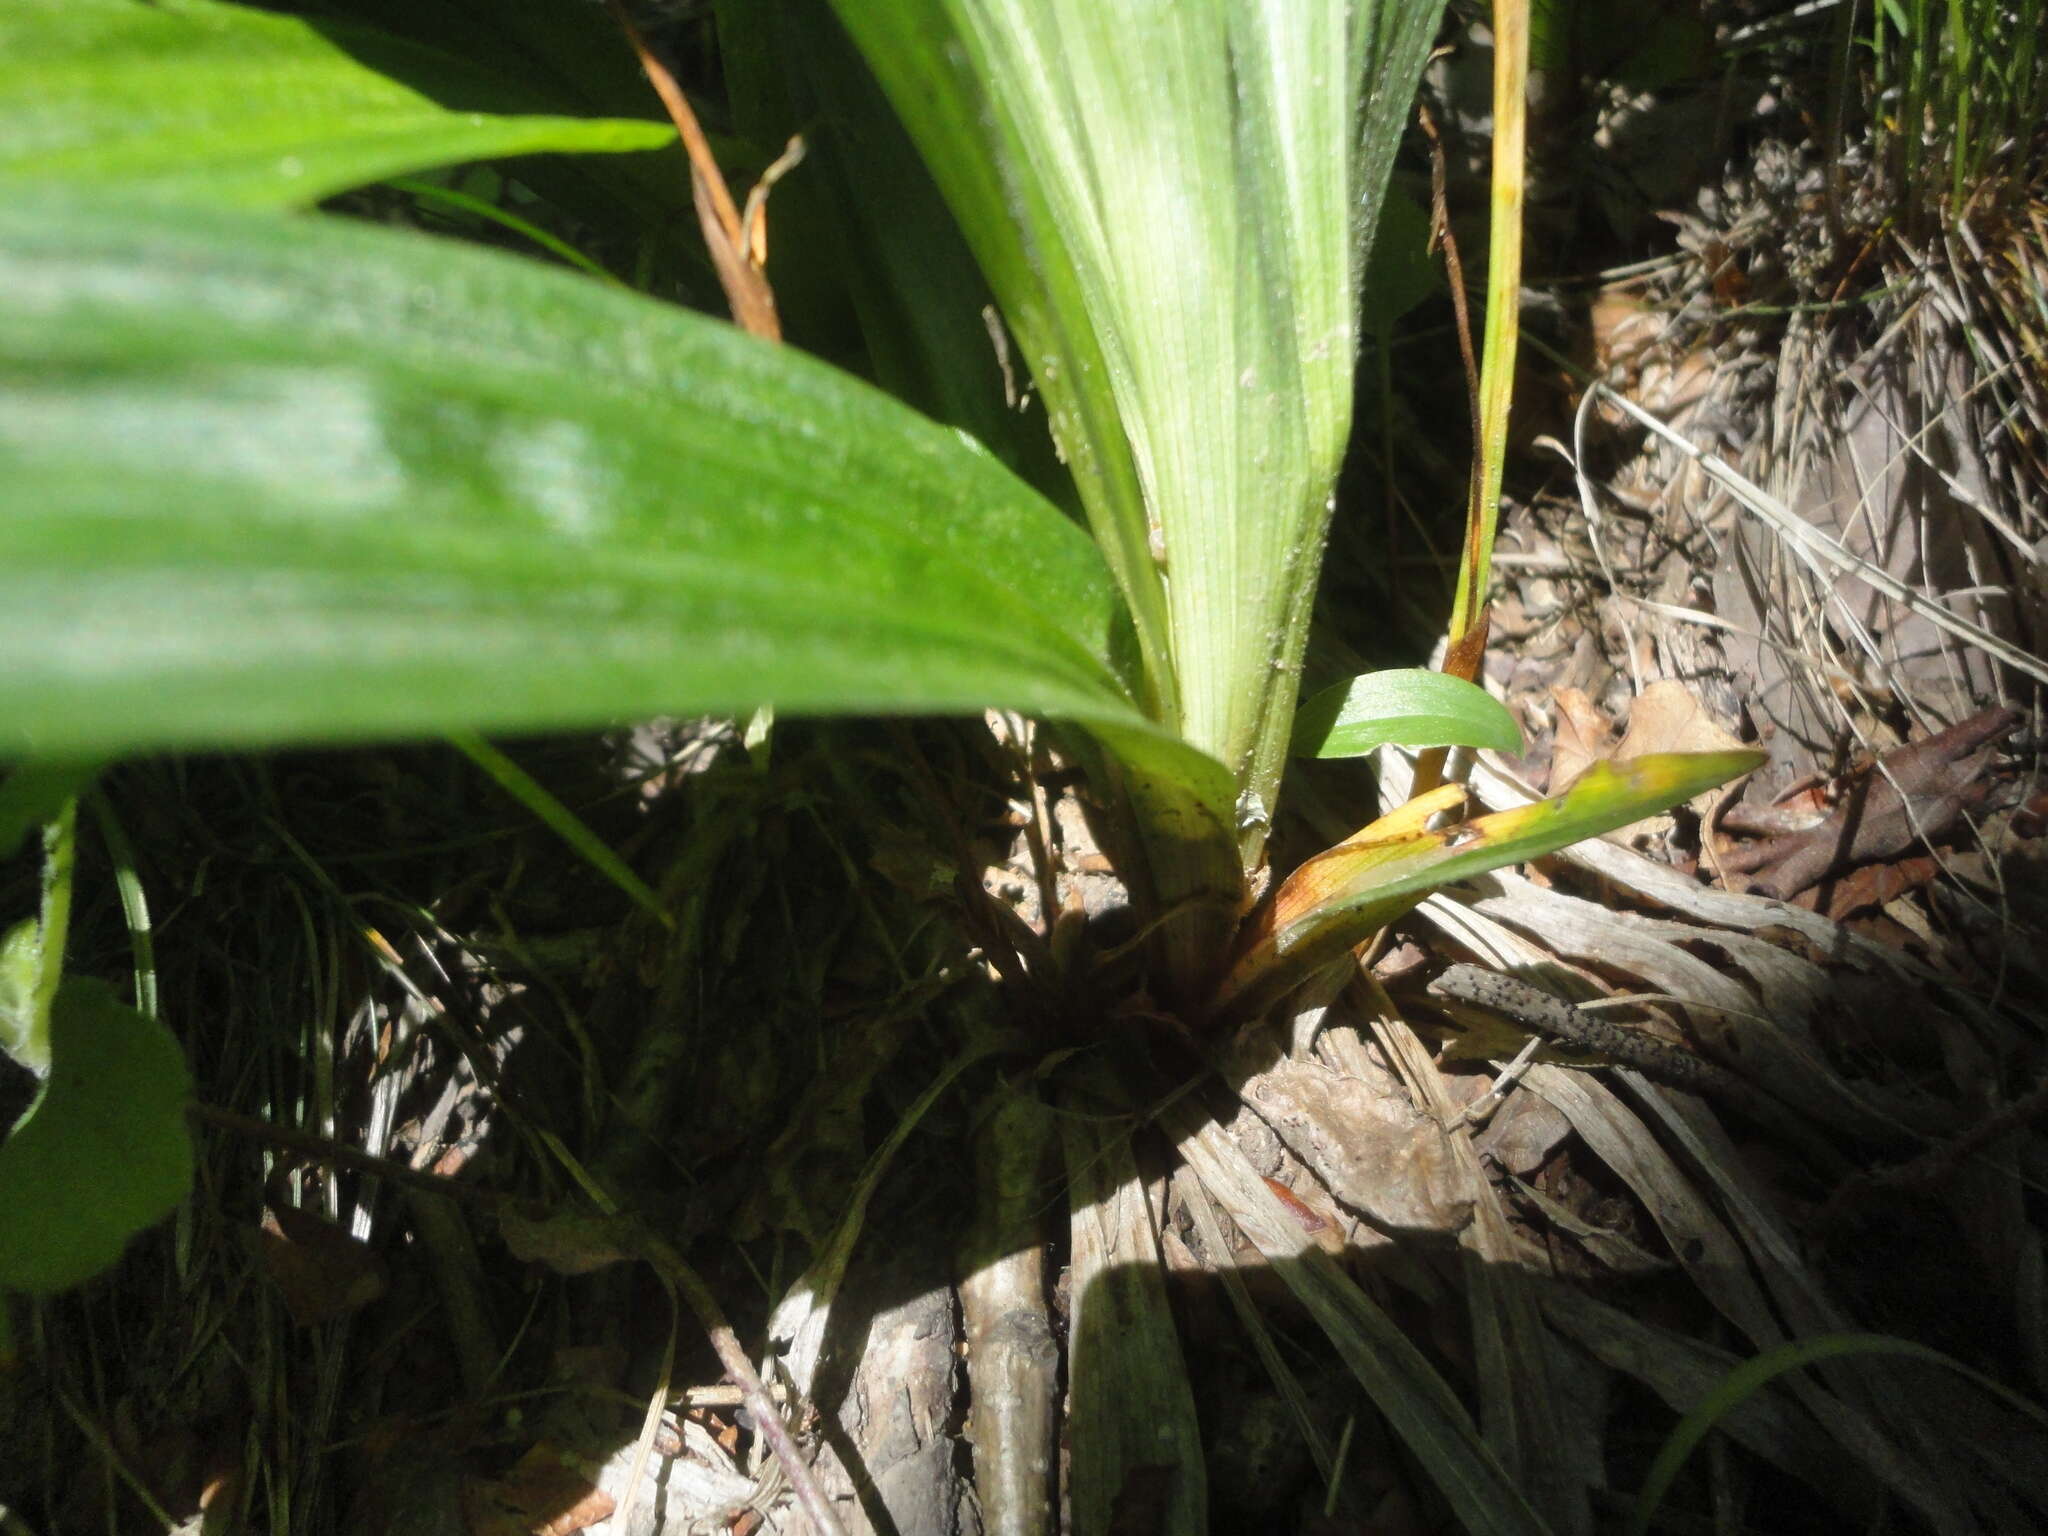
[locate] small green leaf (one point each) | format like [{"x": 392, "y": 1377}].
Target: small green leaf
[
  {"x": 1412, "y": 707},
  {"x": 102, "y": 1153},
  {"x": 1344, "y": 895},
  {"x": 190, "y": 100}
]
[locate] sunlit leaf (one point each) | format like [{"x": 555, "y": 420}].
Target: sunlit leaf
[
  {"x": 202, "y": 102},
  {"x": 102, "y": 1153},
  {"x": 266, "y": 480},
  {"x": 1343, "y": 896},
  {"x": 1171, "y": 203},
  {"x": 1412, "y": 707}
]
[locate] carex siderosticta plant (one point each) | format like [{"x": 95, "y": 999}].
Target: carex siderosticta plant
[{"x": 272, "y": 474}]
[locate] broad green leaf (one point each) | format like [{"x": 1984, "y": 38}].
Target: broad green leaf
[
  {"x": 1412, "y": 707},
  {"x": 196, "y": 101},
  {"x": 1172, "y": 203},
  {"x": 1344, "y": 895},
  {"x": 102, "y": 1153},
  {"x": 265, "y": 479}
]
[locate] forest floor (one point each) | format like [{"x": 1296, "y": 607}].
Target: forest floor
[{"x": 819, "y": 1093}]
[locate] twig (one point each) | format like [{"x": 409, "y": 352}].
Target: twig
[
  {"x": 731, "y": 238},
  {"x": 767, "y": 1417},
  {"x": 324, "y": 1149},
  {"x": 1556, "y": 1019},
  {"x": 1938, "y": 1163}
]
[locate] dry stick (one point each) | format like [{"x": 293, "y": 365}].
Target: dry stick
[
  {"x": 767, "y": 1417},
  {"x": 1556, "y": 1019},
  {"x": 1548, "y": 1015},
  {"x": 725, "y": 232},
  {"x": 1938, "y": 1163}
]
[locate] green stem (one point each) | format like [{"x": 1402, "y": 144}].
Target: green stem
[
  {"x": 1503, "y": 306},
  {"x": 60, "y": 848}
]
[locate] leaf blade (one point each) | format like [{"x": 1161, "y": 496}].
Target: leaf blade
[
  {"x": 1410, "y": 707},
  {"x": 191, "y": 100},
  {"x": 274, "y": 480},
  {"x": 1185, "y": 299},
  {"x": 102, "y": 1153},
  {"x": 1343, "y": 895}
]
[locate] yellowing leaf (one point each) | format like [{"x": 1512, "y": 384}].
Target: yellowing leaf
[{"x": 1342, "y": 896}]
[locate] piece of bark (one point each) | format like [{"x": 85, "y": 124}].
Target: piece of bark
[
  {"x": 1013, "y": 1357},
  {"x": 889, "y": 1382}
]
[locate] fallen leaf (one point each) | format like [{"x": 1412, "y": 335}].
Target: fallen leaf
[
  {"x": 569, "y": 1242},
  {"x": 546, "y": 1493},
  {"x": 1917, "y": 794},
  {"x": 1584, "y": 736},
  {"x": 1666, "y": 717},
  {"x": 321, "y": 1271}
]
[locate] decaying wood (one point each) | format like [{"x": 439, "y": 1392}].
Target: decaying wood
[{"x": 1013, "y": 1358}]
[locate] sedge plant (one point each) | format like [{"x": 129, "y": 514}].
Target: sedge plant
[{"x": 271, "y": 474}]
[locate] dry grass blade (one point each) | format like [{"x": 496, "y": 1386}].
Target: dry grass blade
[
  {"x": 1400, "y": 1382},
  {"x": 738, "y": 243},
  {"x": 1209, "y": 1227},
  {"x": 1720, "y": 1265},
  {"x": 1817, "y": 550},
  {"x": 1524, "y": 1411},
  {"x": 1683, "y": 1372}
]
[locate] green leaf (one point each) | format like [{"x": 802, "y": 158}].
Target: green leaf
[
  {"x": 1172, "y": 204},
  {"x": 34, "y": 792},
  {"x": 190, "y": 100},
  {"x": 102, "y": 1153},
  {"x": 266, "y": 480},
  {"x": 1413, "y": 707},
  {"x": 1402, "y": 272},
  {"x": 1345, "y": 894}
]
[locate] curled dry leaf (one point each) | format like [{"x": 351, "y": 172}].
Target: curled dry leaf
[
  {"x": 322, "y": 1272},
  {"x": 1913, "y": 795}
]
